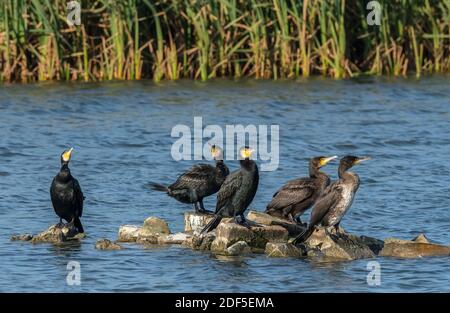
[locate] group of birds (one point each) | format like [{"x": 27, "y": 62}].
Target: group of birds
[{"x": 235, "y": 192}]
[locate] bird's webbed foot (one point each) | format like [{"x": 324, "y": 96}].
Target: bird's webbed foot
[
  {"x": 61, "y": 224},
  {"x": 241, "y": 220},
  {"x": 203, "y": 210}
]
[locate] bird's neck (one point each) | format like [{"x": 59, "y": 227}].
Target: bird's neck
[
  {"x": 314, "y": 172},
  {"x": 248, "y": 164},
  {"x": 345, "y": 175},
  {"x": 64, "y": 173}
]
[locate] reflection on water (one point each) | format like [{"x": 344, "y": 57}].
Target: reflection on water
[{"x": 121, "y": 133}]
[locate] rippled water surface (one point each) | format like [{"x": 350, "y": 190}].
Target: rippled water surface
[{"x": 121, "y": 132}]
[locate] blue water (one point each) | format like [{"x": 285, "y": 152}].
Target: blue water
[{"x": 121, "y": 133}]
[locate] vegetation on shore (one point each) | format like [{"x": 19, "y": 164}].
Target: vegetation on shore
[{"x": 202, "y": 39}]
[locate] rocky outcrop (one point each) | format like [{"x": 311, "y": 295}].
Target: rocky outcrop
[
  {"x": 128, "y": 233},
  {"x": 416, "y": 248},
  {"x": 283, "y": 250},
  {"x": 268, "y": 220},
  {"x": 229, "y": 233},
  {"x": 194, "y": 222},
  {"x": 106, "y": 244},
  {"x": 53, "y": 234},
  {"x": 342, "y": 246},
  {"x": 173, "y": 239}
]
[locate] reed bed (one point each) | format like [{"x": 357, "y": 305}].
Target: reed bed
[{"x": 204, "y": 39}]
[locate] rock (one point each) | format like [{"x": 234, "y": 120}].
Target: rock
[
  {"x": 293, "y": 229},
  {"x": 106, "y": 244},
  {"x": 56, "y": 234},
  {"x": 376, "y": 245},
  {"x": 23, "y": 237},
  {"x": 282, "y": 250},
  {"x": 128, "y": 233},
  {"x": 416, "y": 248},
  {"x": 421, "y": 239},
  {"x": 228, "y": 233},
  {"x": 148, "y": 239},
  {"x": 345, "y": 246},
  {"x": 239, "y": 248},
  {"x": 194, "y": 222},
  {"x": 178, "y": 238},
  {"x": 154, "y": 226},
  {"x": 201, "y": 242}
]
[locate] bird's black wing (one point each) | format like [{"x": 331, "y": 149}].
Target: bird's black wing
[
  {"x": 79, "y": 198},
  {"x": 196, "y": 177},
  {"x": 325, "y": 203},
  {"x": 229, "y": 187},
  {"x": 293, "y": 192}
]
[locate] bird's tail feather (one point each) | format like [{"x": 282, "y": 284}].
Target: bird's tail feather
[
  {"x": 303, "y": 236},
  {"x": 77, "y": 224},
  {"x": 158, "y": 187},
  {"x": 212, "y": 224}
]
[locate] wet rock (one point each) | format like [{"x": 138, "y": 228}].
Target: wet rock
[
  {"x": 421, "y": 238},
  {"x": 293, "y": 229},
  {"x": 148, "y": 239},
  {"x": 283, "y": 250},
  {"x": 154, "y": 226},
  {"x": 201, "y": 242},
  {"x": 128, "y": 233},
  {"x": 178, "y": 238},
  {"x": 106, "y": 244},
  {"x": 56, "y": 234},
  {"x": 416, "y": 248},
  {"x": 239, "y": 248},
  {"x": 344, "y": 246},
  {"x": 228, "y": 233},
  {"x": 194, "y": 222},
  {"x": 21, "y": 237}
]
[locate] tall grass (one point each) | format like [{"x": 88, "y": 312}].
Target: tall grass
[{"x": 203, "y": 39}]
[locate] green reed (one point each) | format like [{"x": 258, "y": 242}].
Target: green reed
[{"x": 204, "y": 39}]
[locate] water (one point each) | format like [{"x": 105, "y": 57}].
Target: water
[{"x": 121, "y": 132}]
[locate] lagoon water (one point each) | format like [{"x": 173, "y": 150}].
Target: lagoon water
[{"x": 121, "y": 133}]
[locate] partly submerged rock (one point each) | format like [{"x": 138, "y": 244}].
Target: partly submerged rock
[
  {"x": 344, "y": 246},
  {"x": 283, "y": 250},
  {"x": 194, "y": 222},
  {"x": 261, "y": 218},
  {"x": 154, "y": 226},
  {"x": 200, "y": 242},
  {"x": 128, "y": 233},
  {"x": 21, "y": 237},
  {"x": 106, "y": 244},
  {"x": 416, "y": 248},
  {"x": 55, "y": 234},
  {"x": 228, "y": 233},
  {"x": 238, "y": 248},
  {"x": 178, "y": 238}
]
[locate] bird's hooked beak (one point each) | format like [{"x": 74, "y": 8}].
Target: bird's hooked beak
[
  {"x": 362, "y": 159},
  {"x": 67, "y": 155},
  {"x": 246, "y": 153},
  {"x": 325, "y": 161}
]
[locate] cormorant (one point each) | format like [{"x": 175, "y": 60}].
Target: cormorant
[
  {"x": 198, "y": 182},
  {"x": 298, "y": 195},
  {"x": 237, "y": 192},
  {"x": 67, "y": 197},
  {"x": 335, "y": 200}
]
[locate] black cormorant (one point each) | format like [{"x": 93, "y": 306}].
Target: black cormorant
[
  {"x": 198, "y": 182},
  {"x": 298, "y": 195},
  {"x": 67, "y": 197},
  {"x": 237, "y": 192},
  {"x": 335, "y": 200}
]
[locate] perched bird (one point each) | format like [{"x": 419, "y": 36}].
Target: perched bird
[
  {"x": 200, "y": 181},
  {"x": 237, "y": 192},
  {"x": 67, "y": 197},
  {"x": 335, "y": 200},
  {"x": 298, "y": 195}
]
